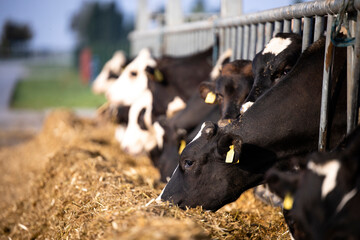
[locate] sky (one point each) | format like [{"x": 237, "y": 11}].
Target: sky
[{"x": 50, "y": 19}]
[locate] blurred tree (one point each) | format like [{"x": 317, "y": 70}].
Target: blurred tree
[
  {"x": 15, "y": 38},
  {"x": 98, "y": 23},
  {"x": 198, "y": 7},
  {"x": 101, "y": 27}
]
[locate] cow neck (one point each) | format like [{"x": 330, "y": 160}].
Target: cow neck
[
  {"x": 186, "y": 73},
  {"x": 285, "y": 119},
  {"x": 162, "y": 95}
]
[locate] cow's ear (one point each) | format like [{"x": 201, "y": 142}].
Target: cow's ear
[
  {"x": 229, "y": 148},
  {"x": 154, "y": 74},
  {"x": 207, "y": 93},
  {"x": 284, "y": 184}
]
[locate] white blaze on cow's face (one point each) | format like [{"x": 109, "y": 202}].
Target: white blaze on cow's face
[
  {"x": 329, "y": 170},
  {"x": 198, "y": 135},
  {"x": 137, "y": 140},
  {"x": 133, "y": 81},
  {"x": 276, "y": 45},
  {"x": 110, "y": 72}
]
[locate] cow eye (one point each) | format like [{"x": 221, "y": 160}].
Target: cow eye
[
  {"x": 188, "y": 163},
  {"x": 133, "y": 73}
]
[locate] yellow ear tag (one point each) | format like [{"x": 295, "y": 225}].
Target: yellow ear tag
[
  {"x": 182, "y": 146},
  {"x": 230, "y": 155},
  {"x": 288, "y": 201},
  {"x": 158, "y": 75},
  {"x": 210, "y": 98}
]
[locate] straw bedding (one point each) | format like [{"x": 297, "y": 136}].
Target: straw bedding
[{"x": 72, "y": 181}]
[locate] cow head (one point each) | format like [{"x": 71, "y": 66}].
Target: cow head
[
  {"x": 202, "y": 166},
  {"x": 273, "y": 62},
  {"x": 324, "y": 195},
  {"x": 141, "y": 134},
  {"x": 133, "y": 81},
  {"x": 230, "y": 88},
  {"x": 110, "y": 72}
]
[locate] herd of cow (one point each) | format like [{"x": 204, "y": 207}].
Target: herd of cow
[{"x": 215, "y": 132}]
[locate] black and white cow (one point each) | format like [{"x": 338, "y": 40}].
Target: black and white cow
[
  {"x": 179, "y": 131},
  {"x": 110, "y": 72},
  {"x": 323, "y": 198},
  {"x": 231, "y": 88},
  {"x": 155, "y": 88},
  {"x": 222, "y": 162},
  {"x": 272, "y": 63},
  {"x": 182, "y": 73}
]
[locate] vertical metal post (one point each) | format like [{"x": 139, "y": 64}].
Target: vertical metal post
[
  {"x": 319, "y": 27},
  {"x": 221, "y": 40},
  {"x": 226, "y": 39},
  {"x": 260, "y": 37},
  {"x": 239, "y": 45},
  {"x": 307, "y": 33},
  {"x": 355, "y": 72},
  {"x": 215, "y": 55},
  {"x": 287, "y": 26},
  {"x": 297, "y": 26},
  {"x": 278, "y": 27},
  {"x": 233, "y": 44},
  {"x": 252, "y": 48},
  {"x": 268, "y": 32},
  {"x": 246, "y": 42},
  {"x": 326, "y": 87}
]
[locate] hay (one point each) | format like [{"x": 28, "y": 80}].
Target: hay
[{"x": 79, "y": 185}]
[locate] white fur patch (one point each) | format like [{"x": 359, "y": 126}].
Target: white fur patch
[
  {"x": 120, "y": 132},
  {"x": 101, "y": 84},
  {"x": 174, "y": 106},
  {"x": 159, "y": 134},
  {"x": 127, "y": 88},
  {"x": 199, "y": 133},
  {"x": 215, "y": 72},
  {"x": 345, "y": 199},
  {"x": 329, "y": 170},
  {"x": 276, "y": 45},
  {"x": 137, "y": 140},
  {"x": 245, "y": 107}
]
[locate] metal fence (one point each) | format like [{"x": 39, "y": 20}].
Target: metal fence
[{"x": 248, "y": 34}]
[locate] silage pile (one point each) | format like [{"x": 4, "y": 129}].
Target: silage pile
[{"x": 73, "y": 182}]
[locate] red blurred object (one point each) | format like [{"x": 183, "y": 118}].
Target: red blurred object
[{"x": 85, "y": 65}]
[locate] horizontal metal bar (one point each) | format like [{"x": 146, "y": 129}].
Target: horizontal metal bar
[{"x": 307, "y": 9}]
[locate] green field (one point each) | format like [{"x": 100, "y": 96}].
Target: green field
[{"x": 51, "y": 87}]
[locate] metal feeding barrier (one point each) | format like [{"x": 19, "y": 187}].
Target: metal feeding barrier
[{"x": 248, "y": 34}]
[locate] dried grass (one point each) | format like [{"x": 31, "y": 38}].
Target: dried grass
[{"x": 79, "y": 185}]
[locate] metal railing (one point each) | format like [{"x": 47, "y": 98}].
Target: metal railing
[{"x": 248, "y": 34}]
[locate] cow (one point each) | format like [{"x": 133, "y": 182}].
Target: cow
[
  {"x": 182, "y": 73},
  {"x": 272, "y": 63},
  {"x": 165, "y": 100},
  {"x": 221, "y": 162},
  {"x": 231, "y": 88},
  {"x": 110, "y": 72},
  {"x": 179, "y": 131},
  {"x": 322, "y": 198}
]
